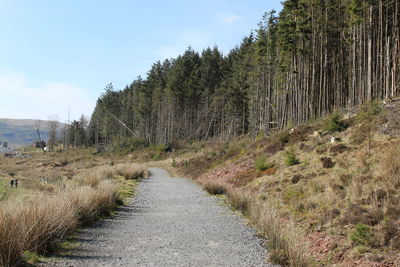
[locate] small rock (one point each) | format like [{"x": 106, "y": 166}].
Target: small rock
[{"x": 334, "y": 139}]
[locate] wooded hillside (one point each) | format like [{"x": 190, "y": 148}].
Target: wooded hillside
[{"x": 311, "y": 58}]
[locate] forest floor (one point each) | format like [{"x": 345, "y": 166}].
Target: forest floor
[
  {"x": 325, "y": 193},
  {"x": 170, "y": 222}
]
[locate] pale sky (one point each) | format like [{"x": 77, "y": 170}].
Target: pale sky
[{"x": 59, "y": 55}]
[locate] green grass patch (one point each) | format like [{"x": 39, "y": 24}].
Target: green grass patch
[
  {"x": 362, "y": 235},
  {"x": 291, "y": 158},
  {"x": 67, "y": 247},
  {"x": 292, "y": 194},
  {"x": 261, "y": 164},
  {"x": 126, "y": 189},
  {"x": 31, "y": 257}
]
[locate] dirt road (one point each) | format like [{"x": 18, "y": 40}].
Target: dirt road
[{"x": 170, "y": 222}]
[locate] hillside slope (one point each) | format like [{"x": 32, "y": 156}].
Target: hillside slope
[
  {"x": 21, "y": 131},
  {"x": 324, "y": 193}
]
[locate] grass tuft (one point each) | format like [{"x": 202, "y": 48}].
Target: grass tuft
[
  {"x": 132, "y": 171},
  {"x": 215, "y": 187},
  {"x": 362, "y": 235},
  {"x": 291, "y": 158},
  {"x": 261, "y": 164},
  {"x": 286, "y": 248}
]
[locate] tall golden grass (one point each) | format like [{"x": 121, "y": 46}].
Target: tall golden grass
[
  {"x": 132, "y": 171},
  {"x": 89, "y": 203},
  {"x": 129, "y": 171},
  {"x": 215, "y": 187},
  {"x": 99, "y": 174},
  {"x": 36, "y": 224},
  {"x": 284, "y": 242}
]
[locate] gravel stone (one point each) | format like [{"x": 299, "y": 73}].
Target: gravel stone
[{"x": 170, "y": 222}]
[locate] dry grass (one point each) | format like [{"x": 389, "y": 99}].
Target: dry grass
[
  {"x": 215, "y": 187},
  {"x": 37, "y": 224},
  {"x": 132, "y": 171},
  {"x": 43, "y": 219},
  {"x": 283, "y": 240},
  {"x": 89, "y": 203},
  {"x": 34, "y": 225},
  {"x": 239, "y": 200},
  {"x": 390, "y": 166},
  {"x": 287, "y": 248},
  {"x": 129, "y": 171},
  {"x": 57, "y": 193},
  {"x": 100, "y": 174}
]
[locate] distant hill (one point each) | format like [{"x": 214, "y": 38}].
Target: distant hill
[{"x": 21, "y": 132}]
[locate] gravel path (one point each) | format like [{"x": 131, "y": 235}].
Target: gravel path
[{"x": 170, "y": 222}]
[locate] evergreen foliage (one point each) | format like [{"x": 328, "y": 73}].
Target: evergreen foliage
[
  {"x": 362, "y": 234},
  {"x": 310, "y": 59},
  {"x": 291, "y": 158},
  {"x": 261, "y": 164},
  {"x": 334, "y": 123}
]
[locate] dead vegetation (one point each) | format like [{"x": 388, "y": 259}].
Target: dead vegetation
[
  {"x": 53, "y": 199},
  {"x": 215, "y": 187},
  {"x": 132, "y": 171},
  {"x": 283, "y": 240}
]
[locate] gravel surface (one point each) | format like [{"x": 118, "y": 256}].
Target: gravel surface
[{"x": 170, "y": 222}]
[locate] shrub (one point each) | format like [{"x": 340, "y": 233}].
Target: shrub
[
  {"x": 291, "y": 158},
  {"x": 261, "y": 164},
  {"x": 368, "y": 110},
  {"x": 362, "y": 235},
  {"x": 173, "y": 163},
  {"x": 334, "y": 123}
]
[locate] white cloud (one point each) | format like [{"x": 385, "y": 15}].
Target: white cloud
[
  {"x": 230, "y": 18},
  {"x": 198, "y": 39},
  {"x": 19, "y": 99}
]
